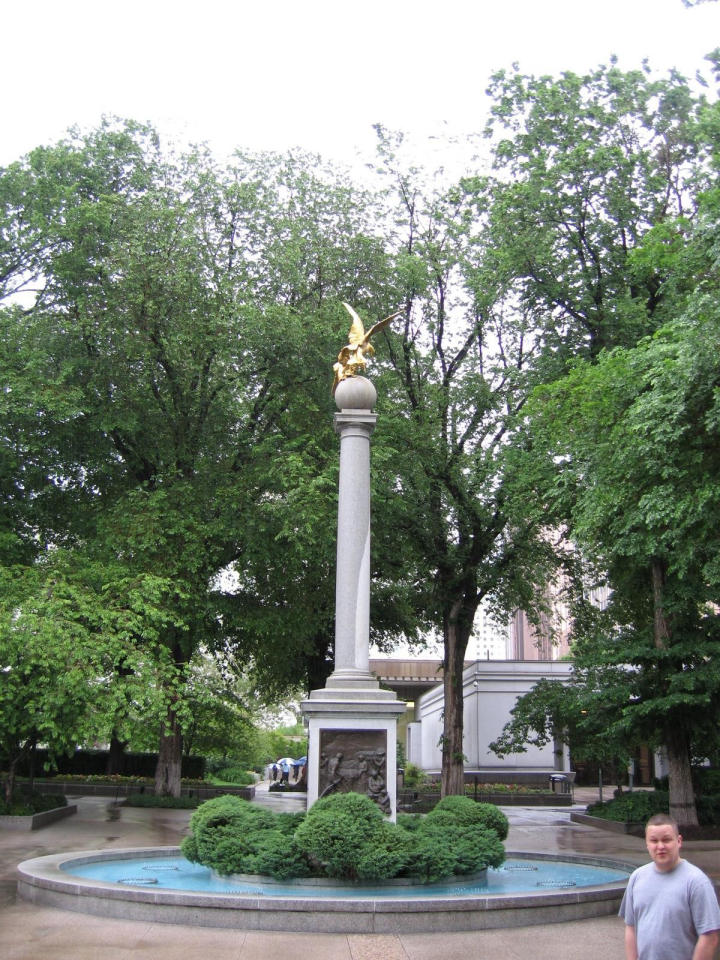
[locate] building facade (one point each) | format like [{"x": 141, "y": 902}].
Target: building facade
[{"x": 490, "y": 690}]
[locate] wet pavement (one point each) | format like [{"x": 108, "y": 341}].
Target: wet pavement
[{"x": 29, "y": 932}]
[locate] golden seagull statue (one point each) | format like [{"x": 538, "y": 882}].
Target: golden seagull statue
[{"x": 351, "y": 358}]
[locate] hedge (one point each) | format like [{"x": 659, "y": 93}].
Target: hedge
[
  {"x": 345, "y": 836},
  {"x": 94, "y": 762}
]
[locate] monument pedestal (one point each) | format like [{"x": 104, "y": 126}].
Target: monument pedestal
[
  {"x": 352, "y": 735},
  {"x": 352, "y": 723}
]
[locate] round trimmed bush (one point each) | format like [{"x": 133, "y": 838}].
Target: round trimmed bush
[
  {"x": 227, "y": 832},
  {"x": 471, "y": 847},
  {"x": 467, "y": 812},
  {"x": 430, "y": 859},
  {"x": 339, "y": 831}
]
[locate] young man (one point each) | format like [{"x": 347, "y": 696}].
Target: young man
[{"x": 669, "y": 908}]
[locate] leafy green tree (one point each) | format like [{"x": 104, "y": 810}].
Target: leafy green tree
[
  {"x": 457, "y": 371},
  {"x": 585, "y": 166},
  {"x": 178, "y": 312},
  {"x": 506, "y": 280},
  {"x": 598, "y": 185},
  {"x": 640, "y": 453},
  {"x": 50, "y": 663},
  {"x": 221, "y": 714},
  {"x": 176, "y": 363}
]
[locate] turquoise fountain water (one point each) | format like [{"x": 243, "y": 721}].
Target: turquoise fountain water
[{"x": 515, "y": 876}]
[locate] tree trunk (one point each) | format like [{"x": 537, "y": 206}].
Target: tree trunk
[
  {"x": 31, "y": 764},
  {"x": 682, "y": 794},
  {"x": 169, "y": 765},
  {"x": 319, "y": 662},
  {"x": 457, "y": 634},
  {"x": 116, "y": 756},
  {"x": 10, "y": 781}
]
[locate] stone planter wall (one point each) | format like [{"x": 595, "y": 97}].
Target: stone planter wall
[
  {"x": 612, "y": 826},
  {"x": 37, "y": 820}
]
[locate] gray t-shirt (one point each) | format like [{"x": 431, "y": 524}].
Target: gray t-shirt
[{"x": 669, "y": 910}]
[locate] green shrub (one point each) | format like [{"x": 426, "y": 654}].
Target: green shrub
[
  {"x": 430, "y": 859},
  {"x": 188, "y": 848},
  {"x": 467, "y": 812},
  {"x": 639, "y": 805},
  {"x": 632, "y": 807},
  {"x": 707, "y": 780},
  {"x": 409, "y": 821},
  {"x": 414, "y": 777},
  {"x": 472, "y": 847},
  {"x": 152, "y": 800},
  {"x": 232, "y": 835},
  {"x": 280, "y": 856},
  {"x": 222, "y": 818},
  {"x": 343, "y": 836},
  {"x": 386, "y": 856},
  {"x": 708, "y": 811},
  {"x": 338, "y": 830},
  {"x": 236, "y": 775},
  {"x": 26, "y": 804}
]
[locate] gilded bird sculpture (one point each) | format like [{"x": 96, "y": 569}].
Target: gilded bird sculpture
[{"x": 351, "y": 358}]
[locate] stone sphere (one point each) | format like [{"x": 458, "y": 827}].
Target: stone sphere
[{"x": 355, "y": 393}]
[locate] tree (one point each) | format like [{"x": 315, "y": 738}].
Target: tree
[
  {"x": 506, "y": 279},
  {"x": 220, "y": 714},
  {"x": 178, "y": 310},
  {"x": 459, "y": 371},
  {"x": 636, "y": 431},
  {"x": 595, "y": 177},
  {"x": 585, "y": 167},
  {"x": 170, "y": 413},
  {"x": 50, "y": 662}
]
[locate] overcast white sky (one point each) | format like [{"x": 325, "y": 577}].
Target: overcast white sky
[{"x": 317, "y": 73}]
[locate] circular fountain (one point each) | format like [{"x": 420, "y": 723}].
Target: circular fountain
[{"x": 143, "y": 888}]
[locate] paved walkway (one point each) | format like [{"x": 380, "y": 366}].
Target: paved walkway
[{"x": 30, "y": 932}]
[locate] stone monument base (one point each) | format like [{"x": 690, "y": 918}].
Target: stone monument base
[{"x": 352, "y": 735}]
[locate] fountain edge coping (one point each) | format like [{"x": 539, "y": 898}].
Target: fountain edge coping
[{"x": 46, "y": 873}]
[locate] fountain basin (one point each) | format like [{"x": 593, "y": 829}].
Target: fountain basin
[{"x": 45, "y": 880}]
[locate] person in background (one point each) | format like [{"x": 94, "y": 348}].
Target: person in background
[{"x": 670, "y": 908}]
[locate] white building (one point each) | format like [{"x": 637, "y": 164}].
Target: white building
[{"x": 491, "y": 689}]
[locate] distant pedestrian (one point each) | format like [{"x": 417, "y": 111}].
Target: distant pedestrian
[{"x": 670, "y": 908}]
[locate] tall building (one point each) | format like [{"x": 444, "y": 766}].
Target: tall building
[
  {"x": 545, "y": 641},
  {"x": 490, "y": 637}
]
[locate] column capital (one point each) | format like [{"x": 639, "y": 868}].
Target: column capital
[{"x": 362, "y": 420}]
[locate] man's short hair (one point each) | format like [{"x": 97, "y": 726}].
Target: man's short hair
[{"x": 662, "y": 820}]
